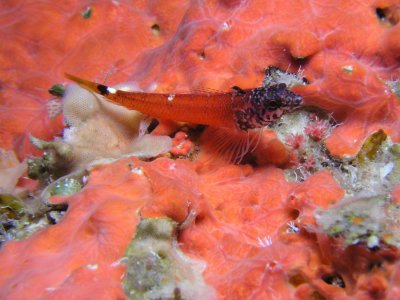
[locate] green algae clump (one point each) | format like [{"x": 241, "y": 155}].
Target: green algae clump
[{"x": 363, "y": 219}]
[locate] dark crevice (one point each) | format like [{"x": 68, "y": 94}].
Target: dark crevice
[
  {"x": 156, "y": 29},
  {"x": 380, "y": 13},
  {"x": 300, "y": 61},
  {"x": 389, "y": 15},
  {"x": 374, "y": 265},
  {"x": 199, "y": 219},
  {"x": 201, "y": 55},
  {"x": 297, "y": 279},
  {"x": 293, "y": 61},
  {"x": 294, "y": 214},
  {"x": 153, "y": 124},
  {"x": 334, "y": 279}
]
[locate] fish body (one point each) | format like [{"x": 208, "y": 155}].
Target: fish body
[{"x": 238, "y": 109}]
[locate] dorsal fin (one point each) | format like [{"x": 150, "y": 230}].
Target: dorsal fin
[
  {"x": 206, "y": 90},
  {"x": 238, "y": 91}
]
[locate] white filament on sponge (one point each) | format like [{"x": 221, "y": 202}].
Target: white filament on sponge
[{"x": 101, "y": 131}]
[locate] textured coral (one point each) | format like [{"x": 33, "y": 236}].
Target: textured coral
[
  {"x": 255, "y": 242},
  {"x": 247, "y": 233},
  {"x": 256, "y": 232},
  {"x": 49, "y": 39},
  {"x": 99, "y": 224}
]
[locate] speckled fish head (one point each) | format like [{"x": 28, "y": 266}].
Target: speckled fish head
[
  {"x": 265, "y": 105},
  {"x": 274, "y": 98}
]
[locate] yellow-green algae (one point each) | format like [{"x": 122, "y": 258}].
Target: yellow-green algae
[
  {"x": 367, "y": 214},
  {"x": 19, "y": 217},
  {"x": 57, "y": 90}
]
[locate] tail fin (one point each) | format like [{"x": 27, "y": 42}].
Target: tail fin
[{"x": 90, "y": 85}]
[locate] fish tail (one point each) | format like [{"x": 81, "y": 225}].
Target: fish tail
[{"x": 90, "y": 85}]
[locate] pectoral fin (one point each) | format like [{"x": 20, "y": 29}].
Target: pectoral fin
[{"x": 223, "y": 145}]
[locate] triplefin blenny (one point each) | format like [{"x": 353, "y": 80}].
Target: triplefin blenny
[{"x": 240, "y": 109}]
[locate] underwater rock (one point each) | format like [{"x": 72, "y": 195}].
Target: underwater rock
[{"x": 157, "y": 269}]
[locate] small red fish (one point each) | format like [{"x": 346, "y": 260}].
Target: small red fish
[{"x": 239, "y": 109}]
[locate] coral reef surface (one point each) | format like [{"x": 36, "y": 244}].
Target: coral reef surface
[{"x": 126, "y": 207}]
